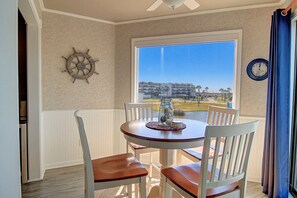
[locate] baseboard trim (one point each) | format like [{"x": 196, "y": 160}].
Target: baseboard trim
[
  {"x": 42, "y": 174},
  {"x": 63, "y": 164},
  {"x": 34, "y": 180},
  {"x": 254, "y": 179},
  {"x": 252, "y": 117}
]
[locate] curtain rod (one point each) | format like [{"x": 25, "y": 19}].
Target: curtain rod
[{"x": 285, "y": 11}]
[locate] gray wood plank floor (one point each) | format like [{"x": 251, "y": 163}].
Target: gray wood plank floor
[{"x": 69, "y": 182}]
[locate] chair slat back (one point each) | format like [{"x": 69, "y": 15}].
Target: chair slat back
[
  {"x": 89, "y": 177},
  {"x": 139, "y": 111},
  {"x": 234, "y": 142},
  {"x": 221, "y": 116}
]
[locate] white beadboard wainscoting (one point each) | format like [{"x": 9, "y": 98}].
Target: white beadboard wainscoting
[
  {"x": 120, "y": 141},
  {"x": 255, "y": 162},
  {"x": 62, "y": 144},
  {"x": 61, "y": 137}
]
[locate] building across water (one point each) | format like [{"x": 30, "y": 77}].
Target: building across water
[
  {"x": 174, "y": 90},
  {"x": 149, "y": 90}
]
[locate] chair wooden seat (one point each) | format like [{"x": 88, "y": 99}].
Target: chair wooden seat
[
  {"x": 187, "y": 176},
  {"x": 117, "y": 167}
]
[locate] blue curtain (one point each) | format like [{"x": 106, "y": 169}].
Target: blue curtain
[{"x": 275, "y": 165}]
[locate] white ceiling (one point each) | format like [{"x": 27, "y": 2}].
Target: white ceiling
[{"x": 127, "y": 10}]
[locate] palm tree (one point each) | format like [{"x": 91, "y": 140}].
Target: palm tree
[
  {"x": 206, "y": 91},
  {"x": 198, "y": 88},
  {"x": 229, "y": 93},
  {"x": 222, "y": 91}
]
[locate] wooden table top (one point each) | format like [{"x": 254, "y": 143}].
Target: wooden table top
[{"x": 194, "y": 131}]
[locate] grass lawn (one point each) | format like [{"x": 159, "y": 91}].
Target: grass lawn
[{"x": 185, "y": 105}]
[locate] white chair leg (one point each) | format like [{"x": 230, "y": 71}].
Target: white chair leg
[
  {"x": 178, "y": 157},
  {"x": 137, "y": 156},
  {"x": 242, "y": 187},
  {"x": 151, "y": 165},
  {"x": 129, "y": 191},
  {"x": 167, "y": 191},
  {"x": 142, "y": 188}
]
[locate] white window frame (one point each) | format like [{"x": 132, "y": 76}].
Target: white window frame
[{"x": 196, "y": 38}]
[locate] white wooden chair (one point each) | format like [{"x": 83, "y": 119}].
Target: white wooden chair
[
  {"x": 140, "y": 111},
  {"x": 218, "y": 116},
  {"x": 211, "y": 177},
  {"x": 111, "y": 171}
]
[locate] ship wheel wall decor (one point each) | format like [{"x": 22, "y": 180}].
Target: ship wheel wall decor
[{"x": 80, "y": 65}]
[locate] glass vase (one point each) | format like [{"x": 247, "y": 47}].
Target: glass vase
[{"x": 165, "y": 112}]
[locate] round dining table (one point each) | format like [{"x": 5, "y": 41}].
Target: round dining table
[{"x": 167, "y": 141}]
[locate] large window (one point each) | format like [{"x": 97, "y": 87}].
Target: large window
[{"x": 192, "y": 74}]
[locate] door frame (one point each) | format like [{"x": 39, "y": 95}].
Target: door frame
[{"x": 35, "y": 138}]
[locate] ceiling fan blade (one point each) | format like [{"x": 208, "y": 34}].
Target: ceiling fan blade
[
  {"x": 155, "y": 5},
  {"x": 191, "y": 4}
]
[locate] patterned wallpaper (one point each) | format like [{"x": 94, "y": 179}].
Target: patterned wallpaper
[
  {"x": 112, "y": 46},
  {"x": 255, "y": 24},
  {"x": 61, "y": 33}
]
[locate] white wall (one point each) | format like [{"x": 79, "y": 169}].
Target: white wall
[{"x": 10, "y": 184}]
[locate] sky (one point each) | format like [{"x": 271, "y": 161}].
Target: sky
[{"x": 204, "y": 64}]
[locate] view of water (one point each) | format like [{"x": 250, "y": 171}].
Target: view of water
[{"x": 193, "y": 115}]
